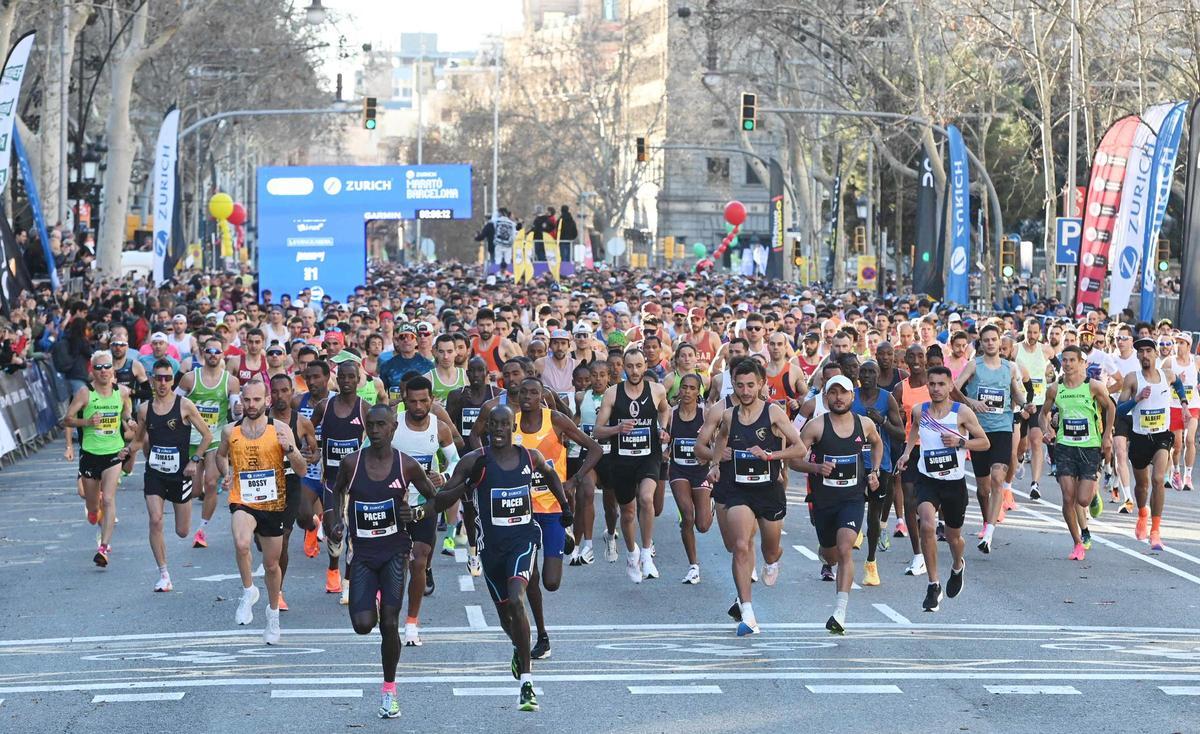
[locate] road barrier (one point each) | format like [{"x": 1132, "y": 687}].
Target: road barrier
[{"x": 33, "y": 402}]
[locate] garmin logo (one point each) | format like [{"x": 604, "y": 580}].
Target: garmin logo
[{"x": 379, "y": 184}]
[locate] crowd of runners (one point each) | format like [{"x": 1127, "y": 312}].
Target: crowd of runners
[{"x": 435, "y": 411}]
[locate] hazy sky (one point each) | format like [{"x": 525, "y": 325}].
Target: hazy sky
[{"x": 460, "y": 24}]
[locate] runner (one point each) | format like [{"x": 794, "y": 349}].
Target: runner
[
  {"x": 842, "y": 481},
  {"x": 493, "y": 348},
  {"x": 251, "y": 457},
  {"x": 445, "y": 376},
  {"x": 911, "y": 392},
  {"x": 171, "y": 467},
  {"x": 217, "y": 395},
  {"x": 311, "y": 404},
  {"x": 495, "y": 480},
  {"x": 877, "y": 404},
  {"x": 302, "y": 428},
  {"x": 103, "y": 412},
  {"x": 1081, "y": 438},
  {"x": 944, "y": 430},
  {"x": 341, "y": 434},
  {"x": 689, "y": 477},
  {"x": 373, "y": 489},
  {"x": 636, "y": 425},
  {"x": 558, "y": 367},
  {"x": 251, "y": 364},
  {"x": 1184, "y": 412},
  {"x": 785, "y": 381},
  {"x": 1034, "y": 357}
]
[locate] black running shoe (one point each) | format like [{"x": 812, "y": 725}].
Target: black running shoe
[
  {"x": 834, "y": 628},
  {"x": 1035, "y": 493},
  {"x": 826, "y": 572},
  {"x": 735, "y": 610},
  {"x": 569, "y": 542},
  {"x": 541, "y": 649},
  {"x": 941, "y": 532},
  {"x": 933, "y": 598},
  {"x": 528, "y": 698},
  {"x": 429, "y": 585},
  {"x": 954, "y": 585}
]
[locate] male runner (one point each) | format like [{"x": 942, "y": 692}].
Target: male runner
[
  {"x": 1034, "y": 357},
  {"x": 911, "y": 392},
  {"x": 341, "y": 434},
  {"x": 445, "y": 376},
  {"x": 557, "y": 368},
  {"x": 282, "y": 395},
  {"x": 251, "y": 457},
  {"x": 785, "y": 380},
  {"x": 252, "y": 364},
  {"x": 1184, "y": 412},
  {"x": 311, "y": 404},
  {"x": 493, "y": 348},
  {"x": 216, "y": 394},
  {"x": 944, "y": 430},
  {"x": 877, "y": 404},
  {"x": 164, "y": 430}
]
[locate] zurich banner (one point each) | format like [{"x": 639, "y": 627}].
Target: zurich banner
[
  {"x": 1162, "y": 170},
  {"x": 960, "y": 219},
  {"x": 312, "y": 219}
]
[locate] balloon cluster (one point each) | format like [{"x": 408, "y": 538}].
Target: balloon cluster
[
  {"x": 228, "y": 213},
  {"x": 735, "y": 217}
]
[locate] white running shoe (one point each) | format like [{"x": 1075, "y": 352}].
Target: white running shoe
[
  {"x": 916, "y": 567},
  {"x": 754, "y": 575},
  {"x": 345, "y": 600},
  {"x": 653, "y": 551},
  {"x": 633, "y": 570},
  {"x": 693, "y": 575},
  {"x": 610, "y": 548},
  {"x": 474, "y": 565},
  {"x": 271, "y": 631},
  {"x": 770, "y": 573},
  {"x": 412, "y": 635},
  {"x": 587, "y": 556},
  {"x": 649, "y": 570},
  {"x": 245, "y": 610},
  {"x": 164, "y": 583}
]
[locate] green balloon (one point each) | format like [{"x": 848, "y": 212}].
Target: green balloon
[{"x": 700, "y": 249}]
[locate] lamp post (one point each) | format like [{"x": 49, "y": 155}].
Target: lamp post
[{"x": 314, "y": 14}]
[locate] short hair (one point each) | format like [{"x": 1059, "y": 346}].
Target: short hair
[
  {"x": 1072, "y": 349},
  {"x": 986, "y": 329},
  {"x": 102, "y": 355},
  {"x": 319, "y": 364},
  {"x": 635, "y": 351},
  {"x": 485, "y": 314},
  {"x": 417, "y": 384},
  {"x": 442, "y": 339},
  {"x": 940, "y": 370},
  {"x": 161, "y": 364},
  {"x": 281, "y": 377},
  {"x": 749, "y": 367},
  {"x": 960, "y": 334},
  {"x": 740, "y": 340},
  {"x": 256, "y": 332}
]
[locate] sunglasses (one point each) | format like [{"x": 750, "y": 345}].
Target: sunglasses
[
  {"x": 275, "y": 352},
  {"x": 163, "y": 378},
  {"x": 754, "y": 328},
  {"x": 119, "y": 344},
  {"x": 102, "y": 366},
  {"x": 211, "y": 350},
  {"x": 408, "y": 335}
]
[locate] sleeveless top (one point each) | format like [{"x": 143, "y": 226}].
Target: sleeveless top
[
  {"x": 683, "y": 437},
  {"x": 422, "y": 445},
  {"x": 748, "y": 472},
  {"x": 553, "y": 451},
  {"x": 257, "y": 467},
  {"x": 938, "y": 461},
  {"x": 587, "y": 423},
  {"x": 881, "y": 404},
  {"x": 642, "y": 441},
  {"x": 182, "y": 344},
  {"x": 212, "y": 402},
  {"x": 467, "y": 413},
  {"x": 1187, "y": 374},
  {"x": 504, "y": 505},
  {"x": 1078, "y": 417},
  {"x": 169, "y": 437},
  {"x": 339, "y": 437},
  {"x": 1035, "y": 364},
  {"x": 1149, "y": 416},
  {"x": 442, "y": 390},
  {"x": 780, "y": 389},
  {"x": 306, "y": 409},
  {"x": 490, "y": 353},
  {"x": 245, "y": 374},
  {"x": 992, "y": 387},
  {"x": 911, "y": 398},
  {"x": 558, "y": 379},
  {"x": 848, "y": 482},
  {"x": 105, "y": 439},
  {"x": 373, "y": 534}
]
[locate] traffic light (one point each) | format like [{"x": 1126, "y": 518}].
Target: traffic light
[
  {"x": 1164, "y": 255},
  {"x": 640, "y": 143},
  {"x": 749, "y": 111},
  {"x": 1008, "y": 257},
  {"x": 369, "y": 109}
]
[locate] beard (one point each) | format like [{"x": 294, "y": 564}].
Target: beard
[{"x": 839, "y": 411}]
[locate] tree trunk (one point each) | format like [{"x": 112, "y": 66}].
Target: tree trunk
[
  {"x": 8, "y": 15},
  {"x": 50, "y": 130}
]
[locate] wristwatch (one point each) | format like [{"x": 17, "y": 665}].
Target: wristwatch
[
  {"x": 962, "y": 442},
  {"x": 196, "y": 459}
]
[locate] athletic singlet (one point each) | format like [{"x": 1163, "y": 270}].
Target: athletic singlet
[
  {"x": 558, "y": 378},
  {"x": 806, "y": 367},
  {"x": 504, "y": 505},
  {"x": 587, "y": 423},
  {"x": 642, "y": 441},
  {"x": 257, "y": 468},
  {"x": 468, "y": 413},
  {"x": 490, "y": 354},
  {"x": 293, "y": 421},
  {"x": 1149, "y": 416},
  {"x": 368, "y": 392},
  {"x": 104, "y": 439},
  {"x": 1035, "y": 364},
  {"x": 848, "y": 481},
  {"x": 373, "y": 534},
  {"x": 938, "y": 461},
  {"x": 124, "y": 375},
  {"x": 726, "y": 385},
  {"x": 1078, "y": 417},
  {"x": 182, "y": 344},
  {"x": 911, "y": 398},
  {"x": 880, "y": 404},
  {"x": 246, "y": 374},
  {"x": 747, "y": 471},
  {"x": 992, "y": 387},
  {"x": 1187, "y": 375},
  {"x": 168, "y": 436},
  {"x": 442, "y": 390},
  {"x": 420, "y": 444},
  {"x": 339, "y": 437},
  {"x": 212, "y": 402},
  {"x": 780, "y": 389},
  {"x": 548, "y": 442},
  {"x": 707, "y": 347},
  {"x": 313, "y": 474},
  {"x": 683, "y": 437}
]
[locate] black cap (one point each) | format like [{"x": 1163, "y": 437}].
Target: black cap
[{"x": 1145, "y": 343}]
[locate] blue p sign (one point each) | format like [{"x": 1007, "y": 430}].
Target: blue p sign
[{"x": 1067, "y": 234}]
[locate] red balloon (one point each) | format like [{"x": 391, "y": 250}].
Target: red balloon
[
  {"x": 735, "y": 213},
  {"x": 238, "y": 217}
]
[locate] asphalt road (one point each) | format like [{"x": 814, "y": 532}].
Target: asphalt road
[{"x": 1034, "y": 643}]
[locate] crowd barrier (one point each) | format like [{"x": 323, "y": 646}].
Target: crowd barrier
[{"x": 33, "y": 402}]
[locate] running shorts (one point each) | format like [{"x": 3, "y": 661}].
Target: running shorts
[
  {"x": 554, "y": 535},
  {"x": 175, "y": 491},
  {"x": 1143, "y": 447},
  {"x": 767, "y": 502},
  {"x": 947, "y": 495},
  {"x": 91, "y": 466},
  {"x": 626, "y": 475},
  {"x": 368, "y": 577},
  {"x": 503, "y": 564},
  {"x": 268, "y": 523},
  {"x": 1080, "y": 462},
  {"x": 828, "y": 520},
  {"x": 1000, "y": 452}
]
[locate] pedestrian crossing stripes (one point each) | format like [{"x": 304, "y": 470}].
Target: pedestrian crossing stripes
[
  {"x": 492, "y": 691},
  {"x": 317, "y": 693},
  {"x": 854, "y": 689},
  {"x": 672, "y": 690},
  {"x": 137, "y": 697},
  {"x": 1169, "y": 690},
  {"x": 1034, "y": 690}
]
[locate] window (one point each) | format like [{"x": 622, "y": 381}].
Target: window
[
  {"x": 718, "y": 170},
  {"x": 610, "y": 10},
  {"x": 752, "y": 178}
]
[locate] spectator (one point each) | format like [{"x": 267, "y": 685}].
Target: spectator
[
  {"x": 568, "y": 233},
  {"x": 10, "y": 354},
  {"x": 72, "y": 355}
]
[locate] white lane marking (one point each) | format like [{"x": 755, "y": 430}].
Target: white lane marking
[
  {"x": 1169, "y": 690},
  {"x": 854, "y": 689},
  {"x": 134, "y": 697},
  {"x": 475, "y": 617},
  {"x": 1181, "y": 554},
  {"x": 492, "y": 691},
  {"x": 316, "y": 693},
  {"x": 672, "y": 690},
  {"x": 806, "y": 552},
  {"x": 258, "y": 573},
  {"x": 466, "y": 583},
  {"x": 29, "y": 562},
  {"x": 1034, "y": 690},
  {"x": 460, "y": 555},
  {"x": 891, "y": 614}
]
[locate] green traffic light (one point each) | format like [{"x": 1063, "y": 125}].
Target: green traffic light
[
  {"x": 1008, "y": 271},
  {"x": 747, "y": 124},
  {"x": 369, "y": 124},
  {"x": 1163, "y": 265},
  {"x": 924, "y": 257}
]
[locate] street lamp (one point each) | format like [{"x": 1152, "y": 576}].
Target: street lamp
[{"x": 314, "y": 14}]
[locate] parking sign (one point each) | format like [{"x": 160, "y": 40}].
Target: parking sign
[{"x": 1067, "y": 231}]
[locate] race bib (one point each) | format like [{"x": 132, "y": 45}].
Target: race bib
[
  {"x": 992, "y": 399},
  {"x": 684, "y": 453},
  {"x": 336, "y": 450},
  {"x": 258, "y": 486},
  {"x": 210, "y": 413},
  {"x": 110, "y": 422},
  {"x": 1075, "y": 430},
  {"x": 845, "y": 471},
  {"x": 939, "y": 462},
  {"x": 415, "y": 498},
  {"x": 1153, "y": 421},
  {"x": 634, "y": 443},
  {"x": 1189, "y": 392},
  {"x": 164, "y": 459},
  {"x": 1039, "y": 390},
  {"x": 375, "y": 519},
  {"x": 589, "y": 429},
  {"x": 511, "y": 506},
  {"x": 467, "y": 421},
  {"x": 750, "y": 470}
]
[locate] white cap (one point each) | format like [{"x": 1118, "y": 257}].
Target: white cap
[
  {"x": 841, "y": 381},
  {"x": 158, "y": 336}
]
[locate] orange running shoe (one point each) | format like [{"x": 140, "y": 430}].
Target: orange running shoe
[
  {"x": 282, "y": 602},
  {"x": 333, "y": 581},
  {"x": 1010, "y": 502},
  {"x": 1156, "y": 543},
  {"x": 312, "y": 547},
  {"x": 200, "y": 540},
  {"x": 1003, "y": 513},
  {"x": 1139, "y": 530},
  {"x": 93, "y": 518}
]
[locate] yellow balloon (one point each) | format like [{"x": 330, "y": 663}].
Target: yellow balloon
[{"x": 220, "y": 206}]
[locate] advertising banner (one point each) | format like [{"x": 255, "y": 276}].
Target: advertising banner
[
  {"x": 957, "y": 281},
  {"x": 1100, "y": 212},
  {"x": 165, "y": 155},
  {"x": 1162, "y": 171},
  {"x": 927, "y": 264}
]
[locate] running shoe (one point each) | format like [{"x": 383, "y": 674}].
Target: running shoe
[
  {"x": 744, "y": 629},
  {"x": 333, "y": 581},
  {"x": 200, "y": 540},
  {"x": 345, "y": 598},
  {"x": 575, "y": 559},
  {"x": 164, "y": 583},
  {"x": 916, "y": 567},
  {"x": 271, "y": 630},
  {"x": 245, "y": 609},
  {"x": 101, "y": 557},
  {"x": 693, "y": 575},
  {"x": 754, "y": 575},
  {"x": 541, "y": 650},
  {"x": 448, "y": 546},
  {"x": 1035, "y": 492},
  {"x": 1156, "y": 543},
  {"x": 1187, "y": 484},
  {"x": 587, "y": 557},
  {"x": 1139, "y": 530},
  {"x": 1177, "y": 480},
  {"x": 1021, "y": 463},
  {"x": 985, "y": 546},
  {"x": 885, "y": 543},
  {"x": 610, "y": 548},
  {"x": 1001, "y": 515},
  {"x": 859, "y": 540},
  {"x": 1077, "y": 553},
  {"x": 474, "y": 565},
  {"x": 735, "y": 610},
  {"x": 528, "y": 700},
  {"x": 834, "y": 628},
  {"x": 516, "y": 665},
  {"x": 1096, "y": 508},
  {"x": 1116, "y": 494},
  {"x": 901, "y": 529},
  {"x": 933, "y": 598},
  {"x": 283, "y": 607},
  {"x": 1126, "y": 508},
  {"x": 412, "y": 635},
  {"x": 826, "y": 572},
  {"x": 653, "y": 551},
  {"x": 982, "y": 531},
  {"x": 941, "y": 532},
  {"x": 649, "y": 570},
  {"x": 312, "y": 547},
  {"x": 389, "y": 706},
  {"x": 429, "y": 585},
  {"x": 1086, "y": 536},
  {"x": 1010, "y": 501},
  {"x": 569, "y": 542},
  {"x": 954, "y": 585},
  {"x": 633, "y": 570},
  {"x": 93, "y": 518},
  {"x": 770, "y": 573},
  {"x": 870, "y": 574}
]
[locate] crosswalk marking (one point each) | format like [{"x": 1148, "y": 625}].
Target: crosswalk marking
[
  {"x": 1169, "y": 690},
  {"x": 460, "y": 555},
  {"x": 853, "y": 689},
  {"x": 672, "y": 690},
  {"x": 495, "y": 691},
  {"x": 134, "y": 697},
  {"x": 316, "y": 693},
  {"x": 1034, "y": 690},
  {"x": 475, "y": 617},
  {"x": 891, "y": 614},
  {"x": 806, "y": 552},
  {"x": 466, "y": 583}
]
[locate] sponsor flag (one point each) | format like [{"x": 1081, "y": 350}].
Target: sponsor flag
[
  {"x": 957, "y": 288},
  {"x": 927, "y": 264},
  {"x": 1189, "y": 279},
  {"x": 35, "y": 203},
  {"x": 867, "y": 273},
  {"x": 1129, "y": 230},
  {"x": 553, "y": 257},
  {"x": 10, "y": 90},
  {"x": 165, "y": 157},
  {"x": 1162, "y": 171},
  {"x": 1100, "y": 213},
  {"x": 834, "y": 211}
]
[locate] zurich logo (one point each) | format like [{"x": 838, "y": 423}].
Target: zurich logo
[
  {"x": 958, "y": 261},
  {"x": 333, "y": 185},
  {"x": 160, "y": 243},
  {"x": 1127, "y": 262}
]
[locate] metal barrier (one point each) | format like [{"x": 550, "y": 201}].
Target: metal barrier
[{"x": 33, "y": 402}]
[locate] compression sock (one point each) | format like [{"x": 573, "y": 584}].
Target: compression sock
[
  {"x": 843, "y": 600},
  {"x": 1154, "y": 524},
  {"x": 410, "y": 620},
  {"x": 389, "y": 687}
]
